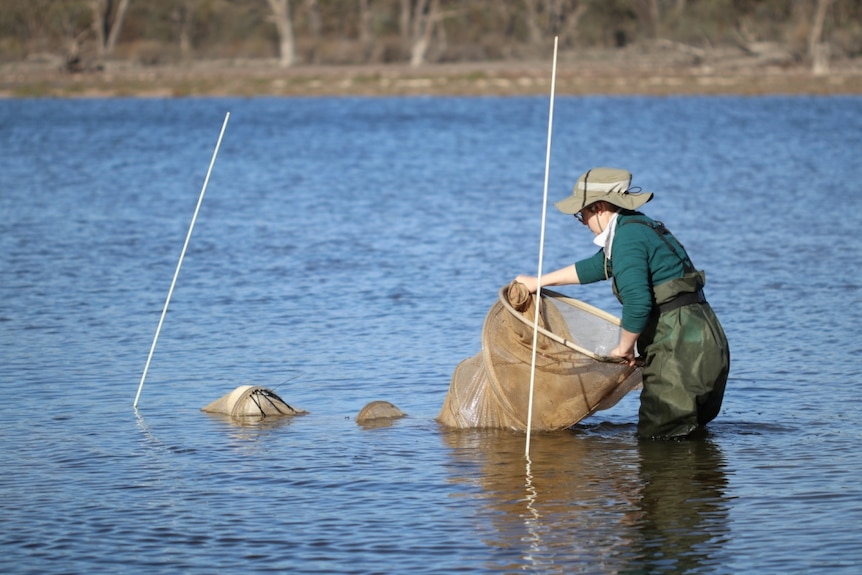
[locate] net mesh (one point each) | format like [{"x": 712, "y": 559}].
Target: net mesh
[
  {"x": 573, "y": 376},
  {"x": 251, "y": 401}
]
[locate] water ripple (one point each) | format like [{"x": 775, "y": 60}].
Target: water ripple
[{"x": 347, "y": 251}]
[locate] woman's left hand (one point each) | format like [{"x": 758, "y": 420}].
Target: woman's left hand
[
  {"x": 626, "y": 354},
  {"x": 626, "y": 347}
]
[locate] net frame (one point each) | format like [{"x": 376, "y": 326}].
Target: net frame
[{"x": 559, "y": 298}]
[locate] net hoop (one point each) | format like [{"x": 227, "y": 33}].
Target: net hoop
[{"x": 504, "y": 300}]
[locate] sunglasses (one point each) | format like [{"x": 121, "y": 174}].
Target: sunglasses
[{"x": 583, "y": 215}]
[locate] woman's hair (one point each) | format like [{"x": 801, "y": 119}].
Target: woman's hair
[{"x": 604, "y": 206}]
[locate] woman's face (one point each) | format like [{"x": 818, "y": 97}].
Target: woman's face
[{"x": 587, "y": 216}]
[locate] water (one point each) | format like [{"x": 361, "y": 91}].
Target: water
[{"x": 346, "y": 251}]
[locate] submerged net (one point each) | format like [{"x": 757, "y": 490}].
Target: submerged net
[
  {"x": 573, "y": 377},
  {"x": 251, "y": 401}
]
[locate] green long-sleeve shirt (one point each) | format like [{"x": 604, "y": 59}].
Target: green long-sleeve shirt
[{"x": 640, "y": 259}]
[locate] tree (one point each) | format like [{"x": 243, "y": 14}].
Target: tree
[
  {"x": 648, "y": 16},
  {"x": 560, "y": 18},
  {"x": 107, "y": 22},
  {"x": 418, "y": 18},
  {"x": 818, "y": 52},
  {"x": 365, "y": 26},
  {"x": 182, "y": 16},
  {"x": 312, "y": 10},
  {"x": 284, "y": 26}
]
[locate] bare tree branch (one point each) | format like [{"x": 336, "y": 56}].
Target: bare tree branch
[
  {"x": 116, "y": 25},
  {"x": 284, "y": 26},
  {"x": 425, "y": 17},
  {"x": 818, "y": 52}
]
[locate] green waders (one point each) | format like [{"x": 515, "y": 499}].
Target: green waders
[
  {"x": 686, "y": 361},
  {"x": 685, "y": 352}
]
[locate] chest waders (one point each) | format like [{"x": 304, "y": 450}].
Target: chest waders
[{"x": 685, "y": 351}]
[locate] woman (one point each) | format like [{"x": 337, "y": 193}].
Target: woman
[{"x": 685, "y": 353}]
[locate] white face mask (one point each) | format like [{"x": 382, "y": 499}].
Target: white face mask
[{"x": 605, "y": 239}]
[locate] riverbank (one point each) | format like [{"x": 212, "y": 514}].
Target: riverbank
[{"x": 619, "y": 73}]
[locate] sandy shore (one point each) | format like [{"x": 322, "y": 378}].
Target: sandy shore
[{"x": 622, "y": 74}]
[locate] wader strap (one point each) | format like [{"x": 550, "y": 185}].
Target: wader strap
[
  {"x": 660, "y": 229},
  {"x": 681, "y": 300}
]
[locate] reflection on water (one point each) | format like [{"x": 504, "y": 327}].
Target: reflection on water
[
  {"x": 683, "y": 505},
  {"x": 254, "y": 421},
  {"x": 607, "y": 502}
]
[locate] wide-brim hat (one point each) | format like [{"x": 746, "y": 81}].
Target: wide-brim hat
[{"x": 603, "y": 184}]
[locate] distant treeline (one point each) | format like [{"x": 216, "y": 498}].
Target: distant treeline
[{"x": 84, "y": 34}]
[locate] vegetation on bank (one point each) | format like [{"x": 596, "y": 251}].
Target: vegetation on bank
[
  {"x": 184, "y": 47},
  {"x": 85, "y": 33}
]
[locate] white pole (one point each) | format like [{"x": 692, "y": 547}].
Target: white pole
[
  {"x": 541, "y": 253},
  {"x": 180, "y": 262}
]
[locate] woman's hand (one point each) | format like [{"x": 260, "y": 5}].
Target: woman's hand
[
  {"x": 531, "y": 282},
  {"x": 626, "y": 347},
  {"x": 563, "y": 276},
  {"x": 626, "y": 354}
]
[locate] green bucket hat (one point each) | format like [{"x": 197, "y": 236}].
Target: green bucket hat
[{"x": 603, "y": 184}]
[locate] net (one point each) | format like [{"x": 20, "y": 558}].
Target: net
[
  {"x": 251, "y": 401},
  {"x": 378, "y": 411},
  {"x": 574, "y": 377}
]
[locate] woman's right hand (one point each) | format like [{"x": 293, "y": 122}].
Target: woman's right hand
[{"x": 531, "y": 282}]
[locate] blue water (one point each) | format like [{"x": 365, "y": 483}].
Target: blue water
[{"x": 347, "y": 250}]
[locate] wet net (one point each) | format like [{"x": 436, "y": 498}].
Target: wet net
[
  {"x": 251, "y": 401},
  {"x": 574, "y": 377}
]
